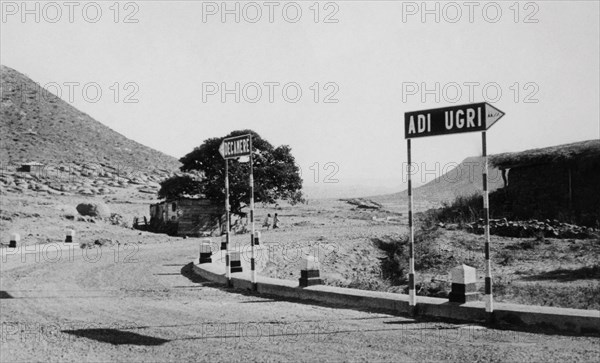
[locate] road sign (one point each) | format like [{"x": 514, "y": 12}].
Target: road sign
[
  {"x": 444, "y": 121},
  {"x": 450, "y": 120},
  {"x": 234, "y": 147}
]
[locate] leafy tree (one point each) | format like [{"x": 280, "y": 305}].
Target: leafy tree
[
  {"x": 178, "y": 186},
  {"x": 276, "y": 175}
]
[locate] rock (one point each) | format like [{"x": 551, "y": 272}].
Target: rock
[
  {"x": 152, "y": 184},
  {"x": 94, "y": 209},
  {"x": 363, "y": 203}
]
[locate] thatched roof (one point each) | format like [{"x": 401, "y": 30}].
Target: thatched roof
[{"x": 563, "y": 154}]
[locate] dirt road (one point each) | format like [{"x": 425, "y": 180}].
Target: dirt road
[{"x": 141, "y": 304}]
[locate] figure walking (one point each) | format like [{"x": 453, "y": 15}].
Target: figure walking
[
  {"x": 267, "y": 222},
  {"x": 275, "y": 221}
]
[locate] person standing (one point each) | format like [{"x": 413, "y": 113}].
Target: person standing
[
  {"x": 267, "y": 222},
  {"x": 275, "y": 221}
]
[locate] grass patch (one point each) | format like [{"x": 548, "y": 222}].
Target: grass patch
[
  {"x": 463, "y": 210},
  {"x": 585, "y": 296}
]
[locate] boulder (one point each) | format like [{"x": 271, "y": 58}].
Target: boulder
[{"x": 94, "y": 209}]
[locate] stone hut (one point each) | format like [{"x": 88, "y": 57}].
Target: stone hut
[
  {"x": 560, "y": 182},
  {"x": 32, "y": 167},
  {"x": 193, "y": 217}
]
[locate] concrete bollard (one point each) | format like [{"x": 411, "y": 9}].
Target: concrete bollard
[
  {"x": 205, "y": 251},
  {"x": 235, "y": 261},
  {"x": 70, "y": 236},
  {"x": 223, "y": 242},
  {"x": 464, "y": 284},
  {"x": 15, "y": 238},
  {"x": 309, "y": 273},
  {"x": 256, "y": 238}
]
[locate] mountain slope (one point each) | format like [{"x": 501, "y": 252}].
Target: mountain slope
[
  {"x": 38, "y": 126},
  {"x": 463, "y": 180}
]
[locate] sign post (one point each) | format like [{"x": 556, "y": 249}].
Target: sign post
[
  {"x": 444, "y": 121},
  {"x": 228, "y": 222},
  {"x": 252, "y": 260},
  {"x": 489, "y": 302},
  {"x": 233, "y": 148},
  {"x": 412, "y": 295}
]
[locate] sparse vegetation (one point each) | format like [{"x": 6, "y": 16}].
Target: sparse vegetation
[
  {"x": 580, "y": 296},
  {"x": 463, "y": 210}
]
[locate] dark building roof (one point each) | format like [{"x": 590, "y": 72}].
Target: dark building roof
[{"x": 560, "y": 154}]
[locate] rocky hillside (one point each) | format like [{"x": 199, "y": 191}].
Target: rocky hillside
[
  {"x": 463, "y": 180},
  {"x": 40, "y": 127},
  {"x": 79, "y": 155}
]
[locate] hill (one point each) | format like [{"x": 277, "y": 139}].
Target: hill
[
  {"x": 39, "y": 126},
  {"x": 463, "y": 180}
]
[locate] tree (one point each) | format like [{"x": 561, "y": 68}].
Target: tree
[
  {"x": 179, "y": 186},
  {"x": 276, "y": 175}
]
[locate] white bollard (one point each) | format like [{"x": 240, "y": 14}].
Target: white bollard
[
  {"x": 464, "y": 284},
  {"x": 70, "y": 236},
  {"x": 257, "y": 238},
  {"x": 309, "y": 273},
  {"x": 15, "y": 238},
  {"x": 235, "y": 261},
  {"x": 223, "y": 242},
  {"x": 205, "y": 251}
]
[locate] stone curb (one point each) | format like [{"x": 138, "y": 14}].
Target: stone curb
[{"x": 564, "y": 320}]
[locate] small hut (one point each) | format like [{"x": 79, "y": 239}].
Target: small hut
[
  {"x": 559, "y": 182},
  {"x": 192, "y": 217},
  {"x": 32, "y": 167}
]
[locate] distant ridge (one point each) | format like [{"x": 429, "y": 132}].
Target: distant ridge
[
  {"x": 463, "y": 180},
  {"x": 38, "y": 126}
]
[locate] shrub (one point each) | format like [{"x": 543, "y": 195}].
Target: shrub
[
  {"x": 464, "y": 209},
  {"x": 394, "y": 267}
]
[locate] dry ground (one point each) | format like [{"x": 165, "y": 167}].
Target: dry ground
[{"x": 136, "y": 301}]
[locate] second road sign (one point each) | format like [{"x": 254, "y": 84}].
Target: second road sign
[{"x": 450, "y": 120}]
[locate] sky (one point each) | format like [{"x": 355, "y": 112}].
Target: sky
[{"x": 330, "y": 79}]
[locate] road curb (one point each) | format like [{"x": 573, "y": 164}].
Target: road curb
[{"x": 573, "y": 321}]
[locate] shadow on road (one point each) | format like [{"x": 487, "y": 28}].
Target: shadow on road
[{"x": 116, "y": 337}]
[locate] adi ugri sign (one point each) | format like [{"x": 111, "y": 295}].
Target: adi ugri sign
[
  {"x": 450, "y": 120},
  {"x": 234, "y": 147}
]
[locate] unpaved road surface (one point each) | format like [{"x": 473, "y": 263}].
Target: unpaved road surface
[{"x": 143, "y": 305}]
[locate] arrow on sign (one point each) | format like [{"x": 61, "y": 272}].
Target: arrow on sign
[
  {"x": 222, "y": 149},
  {"x": 234, "y": 147},
  {"x": 451, "y": 120},
  {"x": 492, "y": 115}
]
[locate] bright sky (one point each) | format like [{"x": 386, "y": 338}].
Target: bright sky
[{"x": 376, "y": 59}]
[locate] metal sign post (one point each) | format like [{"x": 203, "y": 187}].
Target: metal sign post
[
  {"x": 228, "y": 222},
  {"x": 444, "y": 121},
  {"x": 489, "y": 301},
  {"x": 412, "y": 295},
  {"x": 233, "y": 148},
  {"x": 252, "y": 260}
]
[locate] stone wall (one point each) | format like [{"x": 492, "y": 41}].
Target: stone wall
[{"x": 567, "y": 192}]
